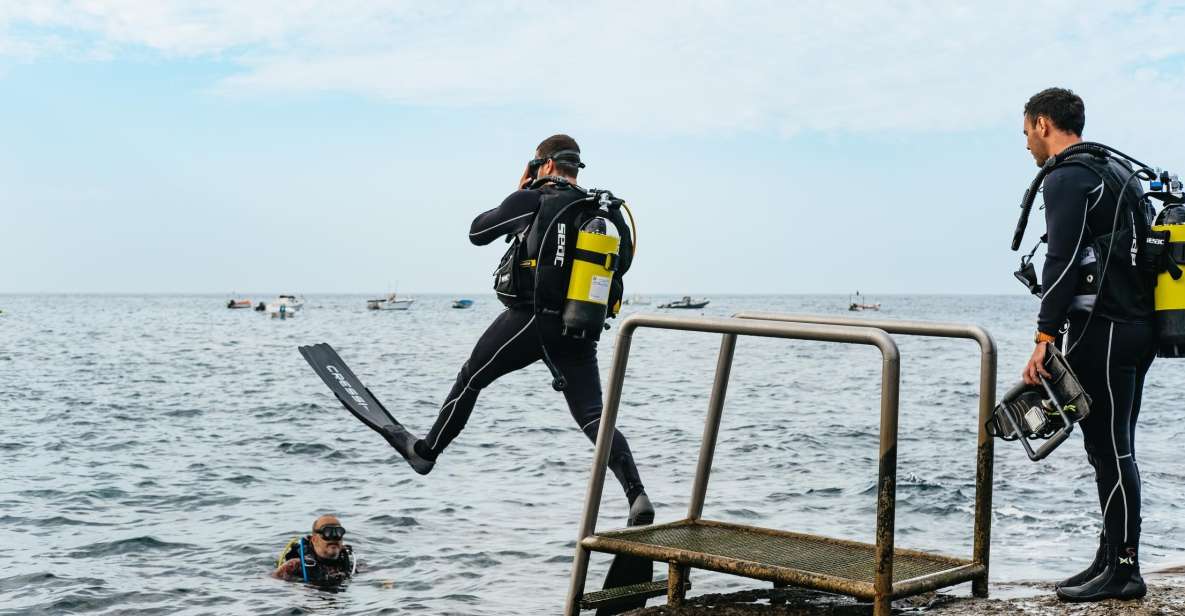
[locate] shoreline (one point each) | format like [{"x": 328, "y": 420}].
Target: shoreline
[{"x": 1166, "y": 595}]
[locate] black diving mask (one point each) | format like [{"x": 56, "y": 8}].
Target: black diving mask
[
  {"x": 1027, "y": 273},
  {"x": 331, "y": 532}
]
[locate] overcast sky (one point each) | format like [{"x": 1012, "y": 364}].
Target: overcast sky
[{"x": 342, "y": 146}]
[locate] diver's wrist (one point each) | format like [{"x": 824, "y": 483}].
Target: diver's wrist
[{"x": 1041, "y": 337}]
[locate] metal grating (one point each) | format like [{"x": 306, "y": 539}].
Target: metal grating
[
  {"x": 812, "y": 554},
  {"x": 614, "y": 596}
]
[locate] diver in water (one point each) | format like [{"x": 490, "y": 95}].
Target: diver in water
[
  {"x": 525, "y": 332},
  {"x": 320, "y": 558},
  {"x": 1097, "y": 306}
]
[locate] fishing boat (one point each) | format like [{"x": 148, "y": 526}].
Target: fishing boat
[
  {"x": 391, "y": 302},
  {"x": 859, "y": 306},
  {"x": 686, "y": 303},
  {"x": 462, "y": 304},
  {"x": 238, "y": 304},
  {"x": 637, "y": 300}
]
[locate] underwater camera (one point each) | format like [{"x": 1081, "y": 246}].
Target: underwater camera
[{"x": 1042, "y": 412}]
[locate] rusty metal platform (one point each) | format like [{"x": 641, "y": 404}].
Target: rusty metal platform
[
  {"x": 611, "y": 597},
  {"x": 835, "y": 565}
]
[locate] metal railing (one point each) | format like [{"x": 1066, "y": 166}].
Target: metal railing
[
  {"x": 730, "y": 328},
  {"x": 985, "y": 448}
]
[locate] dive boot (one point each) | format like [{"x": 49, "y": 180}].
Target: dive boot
[
  {"x": 641, "y": 511},
  {"x": 1120, "y": 579},
  {"x": 1089, "y": 573},
  {"x": 405, "y": 443}
]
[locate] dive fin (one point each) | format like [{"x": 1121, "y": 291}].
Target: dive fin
[{"x": 346, "y": 387}]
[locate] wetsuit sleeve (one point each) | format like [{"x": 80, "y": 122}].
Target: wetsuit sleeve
[
  {"x": 626, "y": 250},
  {"x": 514, "y": 215},
  {"x": 290, "y": 570},
  {"x": 1069, "y": 192}
]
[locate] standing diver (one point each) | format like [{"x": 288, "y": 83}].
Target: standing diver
[
  {"x": 1097, "y": 304},
  {"x": 542, "y": 218}
]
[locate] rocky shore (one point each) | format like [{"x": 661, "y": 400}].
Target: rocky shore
[{"x": 1166, "y": 597}]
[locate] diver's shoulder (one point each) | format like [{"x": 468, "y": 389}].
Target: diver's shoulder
[{"x": 1071, "y": 175}]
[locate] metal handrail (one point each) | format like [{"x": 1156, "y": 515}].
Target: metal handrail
[
  {"x": 985, "y": 450},
  {"x": 731, "y": 328}
]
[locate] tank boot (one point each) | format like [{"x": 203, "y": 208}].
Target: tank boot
[
  {"x": 1120, "y": 579},
  {"x": 1089, "y": 573}
]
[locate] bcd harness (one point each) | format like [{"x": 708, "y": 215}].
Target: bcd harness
[
  {"x": 1155, "y": 244},
  {"x": 567, "y": 262}
]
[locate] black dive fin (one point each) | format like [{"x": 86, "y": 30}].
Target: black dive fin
[
  {"x": 625, "y": 571},
  {"x": 346, "y": 387}
]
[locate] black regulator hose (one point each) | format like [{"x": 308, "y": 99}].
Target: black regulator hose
[{"x": 1086, "y": 147}]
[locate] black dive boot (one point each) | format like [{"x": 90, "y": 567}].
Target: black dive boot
[
  {"x": 1089, "y": 573},
  {"x": 1120, "y": 579},
  {"x": 641, "y": 511},
  {"x": 404, "y": 442}
]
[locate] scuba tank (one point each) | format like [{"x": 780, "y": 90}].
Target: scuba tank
[
  {"x": 594, "y": 262},
  {"x": 1047, "y": 411},
  {"x": 1169, "y": 229}
]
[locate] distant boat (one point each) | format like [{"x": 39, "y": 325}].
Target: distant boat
[
  {"x": 391, "y": 302},
  {"x": 280, "y": 310},
  {"x": 291, "y": 302},
  {"x": 462, "y": 304},
  {"x": 637, "y": 300},
  {"x": 237, "y": 304},
  {"x": 858, "y": 306},
  {"x": 284, "y": 306},
  {"x": 687, "y": 303}
]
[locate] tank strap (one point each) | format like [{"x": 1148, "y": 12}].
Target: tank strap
[{"x": 607, "y": 260}]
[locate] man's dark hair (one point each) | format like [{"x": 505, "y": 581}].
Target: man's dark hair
[
  {"x": 568, "y": 164},
  {"x": 1064, "y": 108}
]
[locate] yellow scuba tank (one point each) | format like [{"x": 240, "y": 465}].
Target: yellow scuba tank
[
  {"x": 1170, "y": 291},
  {"x": 593, "y": 265}
]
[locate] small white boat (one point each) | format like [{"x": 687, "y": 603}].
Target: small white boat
[
  {"x": 293, "y": 302},
  {"x": 279, "y": 310},
  {"x": 391, "y": 302},
  {"x": 637, "y": 300}
]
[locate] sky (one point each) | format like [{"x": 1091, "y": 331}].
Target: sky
[{"x": 345, "y": 146}]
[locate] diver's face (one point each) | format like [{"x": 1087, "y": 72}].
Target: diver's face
[
  {"x": 1035, "y": 132},
  {"x": 326, "y": 548}
]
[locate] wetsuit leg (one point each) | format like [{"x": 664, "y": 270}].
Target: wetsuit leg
[
  {"x": 1111, "y": 360},
  {"x": 577, "y": 360},
  {"x": 508, "y": 344}
]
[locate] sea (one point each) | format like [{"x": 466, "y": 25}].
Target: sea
[{"x": 159, "y": 451}]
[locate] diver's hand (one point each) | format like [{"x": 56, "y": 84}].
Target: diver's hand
[
  {"x": 1036, "y": 366},
  {"x": 526, "y": 177}
]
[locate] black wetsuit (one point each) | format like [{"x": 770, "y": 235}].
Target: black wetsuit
[
  {"x": 515, "y": 340},
  {"x": 1110, "y": 341}
]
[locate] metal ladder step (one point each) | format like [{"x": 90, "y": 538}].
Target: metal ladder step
[{"x": 622, "y": 594}]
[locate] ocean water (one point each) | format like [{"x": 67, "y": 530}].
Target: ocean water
[{"x": 159, "y": 451}]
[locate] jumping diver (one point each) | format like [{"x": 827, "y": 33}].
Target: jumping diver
[
  {"x": 320, "y": 558},
  {"x": 1092, "y": 285},
  {"x": 523, "y": 334}
]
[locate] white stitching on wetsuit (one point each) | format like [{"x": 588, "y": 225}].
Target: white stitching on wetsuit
[{"x": 462, "y": 394}]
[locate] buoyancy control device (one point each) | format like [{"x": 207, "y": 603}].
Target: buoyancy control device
[{"x": 1156, "y": 248}]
